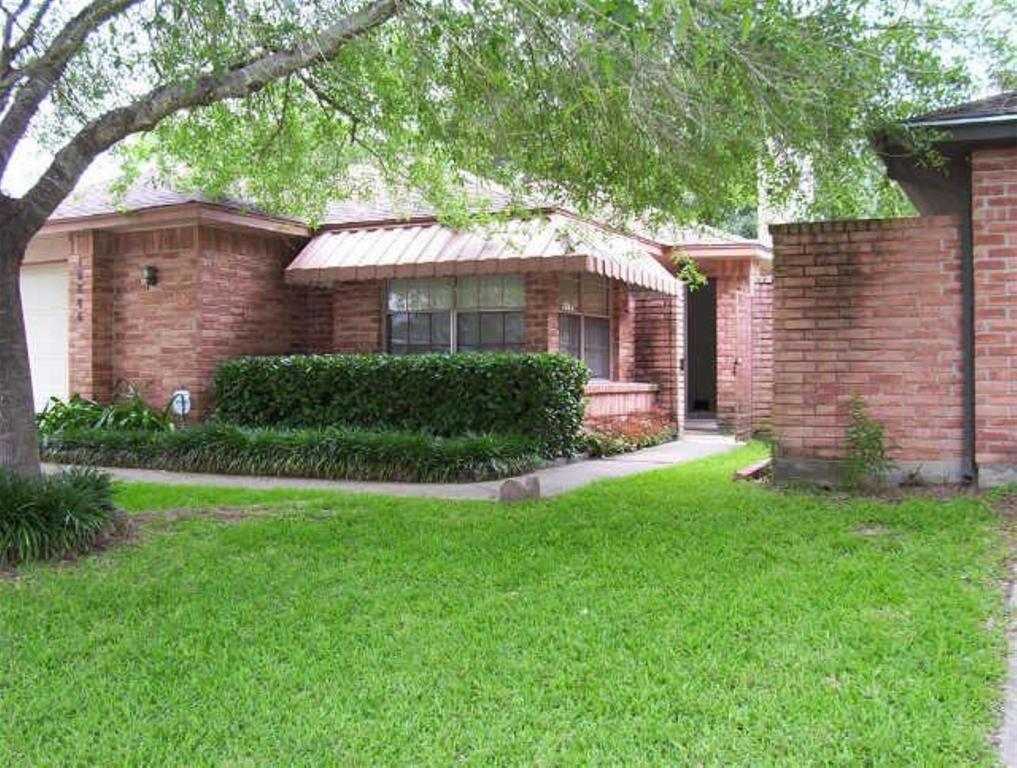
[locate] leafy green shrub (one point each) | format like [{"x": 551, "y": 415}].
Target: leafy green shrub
[
  {"x": 76, "y": 413},
  {"x": 540, "y": 397},
  {"x": 613, "y": 436},
  {"x": 79, "y": 413},
  {"x": 865, "y": 461},
  {"x": 336, "y": 454},
  {"x": 52, "y": 515}
]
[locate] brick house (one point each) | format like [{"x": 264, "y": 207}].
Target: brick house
[
  {"x": 159, "y": 288},
  {"x": 917, "y": 316}
]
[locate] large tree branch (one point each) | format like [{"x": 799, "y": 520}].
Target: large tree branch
[
  {"x": 163, "y": 101},
  {"x": 38, "y": 79}
]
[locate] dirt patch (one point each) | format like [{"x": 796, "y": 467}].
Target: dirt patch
[
  {"x": 224, "y": 514},
  {"x": 873, "y": 531}
]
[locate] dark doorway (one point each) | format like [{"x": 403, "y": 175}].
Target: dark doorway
[{"x": 701, "y": 338}]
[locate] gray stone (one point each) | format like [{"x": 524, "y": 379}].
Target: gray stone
[{"x": 520, "y": 489}]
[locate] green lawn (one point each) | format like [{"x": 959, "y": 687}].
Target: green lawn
[{"x": 670, "y": 618}]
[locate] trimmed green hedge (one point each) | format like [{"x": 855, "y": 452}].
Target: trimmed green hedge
[
  {"x": 52, "y": 515},
  {"x": 333, "y": 454},
  {"x": 540, "y": 397}
]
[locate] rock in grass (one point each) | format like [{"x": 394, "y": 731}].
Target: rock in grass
[{"x": 520, "y": 490}]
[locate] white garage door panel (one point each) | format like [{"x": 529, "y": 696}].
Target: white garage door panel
[{"x": 44, "y": 296}]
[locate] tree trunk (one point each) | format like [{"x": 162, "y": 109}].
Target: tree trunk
[{"x": 19, "y": 447}]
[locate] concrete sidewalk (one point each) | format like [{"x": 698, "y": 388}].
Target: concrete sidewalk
[{"x": 553, "y": 480}]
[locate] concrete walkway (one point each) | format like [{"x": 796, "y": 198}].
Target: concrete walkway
[{"x": 553, "y": 480}]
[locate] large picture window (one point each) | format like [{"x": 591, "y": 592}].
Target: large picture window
[
  {"x": 584, "y": 325},
  {"x": 468, "y": 314}
]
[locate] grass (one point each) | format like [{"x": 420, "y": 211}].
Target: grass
[{"x": 669, "y": 618}]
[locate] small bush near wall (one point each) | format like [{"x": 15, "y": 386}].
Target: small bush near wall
[
  {"x": 80, "y": 413},
  {"x": 52, "y": 515},
  {"x": 540, "y": 397},
  {"x": 333, "y": 454}
]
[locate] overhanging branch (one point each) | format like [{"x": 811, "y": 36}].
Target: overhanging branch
[{"x": 145, "y": 113}]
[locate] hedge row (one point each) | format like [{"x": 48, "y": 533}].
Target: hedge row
[
  {"x": 540, "y": 396},
  {"x": 333, "y": 454}
]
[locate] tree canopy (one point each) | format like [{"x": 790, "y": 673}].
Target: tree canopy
[{"x": 672, "y": 106}]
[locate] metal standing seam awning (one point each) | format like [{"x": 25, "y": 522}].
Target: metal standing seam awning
[{"x": 553, "y": 242}]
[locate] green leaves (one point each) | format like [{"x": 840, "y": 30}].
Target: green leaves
[
  {"x": 52, "y": 515},
  {"x": 540, "y": 397}
]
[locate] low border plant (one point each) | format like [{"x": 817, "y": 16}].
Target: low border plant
[
  {"x": 334, "y": 454},
  {"x": 866, "y": 463}
]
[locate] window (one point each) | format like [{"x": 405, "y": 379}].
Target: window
[
  {"x": 486, "y": 313},
  {"x": 419, "y": 316},
  {"x": 584, "y": 327}
]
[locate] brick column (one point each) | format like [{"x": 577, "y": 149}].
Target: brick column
[
  {"x": 90, "y": 283},
  {"x": 622, "y": 332},
  {"x": 659, "y": 335},
  {"x": 541, "y": 314},
  {"x": 994, "y": 230}
]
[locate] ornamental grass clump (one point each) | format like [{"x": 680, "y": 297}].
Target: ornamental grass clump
[{"x": 52, "y": 515}]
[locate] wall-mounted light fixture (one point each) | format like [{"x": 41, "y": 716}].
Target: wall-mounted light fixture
[{"x": 149, "y": 275}]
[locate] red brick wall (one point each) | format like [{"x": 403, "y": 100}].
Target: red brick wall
[
  {"x": 358, "y": 316},
  {"x": 245, "y": 306},
  {"x": 659, "y": 332},
  {"x": 155, "y": 330},
  {"x": 314, "y": 314},
  {"x": 219, "y": 294},
  {"x": 762, "y": 352},
  {"x": 870, "y": 308},
  {"x": 994, "y": 230}
]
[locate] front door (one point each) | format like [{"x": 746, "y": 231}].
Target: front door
[{"x": 701, "y": 339}]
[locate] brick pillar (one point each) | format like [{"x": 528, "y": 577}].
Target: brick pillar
[
  {"x": 994, "y": 230},
  {"x": 90, "y": 283},
  {"x": 541, "y": 314},
  {"x": 762, "y": 352},
  {"x": 622, "y": 332},
  {"x": 659, "y": 336}
]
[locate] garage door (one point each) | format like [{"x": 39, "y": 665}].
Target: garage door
[{"x": 44, "y": 296}]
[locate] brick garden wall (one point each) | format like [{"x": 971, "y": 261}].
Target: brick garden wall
[
  {"x": 994, "y": 219},
  {"x": 870, "y": 308}
]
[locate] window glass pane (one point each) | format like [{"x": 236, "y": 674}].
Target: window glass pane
[
  {"x": 491, "y": 329},
  {"x": 440, "y": 293},
  {"x": 420, "y": 328},
  {"x": 594, "y": 298},
  {"x": 441, "y": 331},
  {"x": 466, "y": 292},
  {"x": 468, "y": 330},
  {"x": 416, "y": 295},
  {"x": 514, "y": 291},
  {"x": 514, "y": 328},
  {"x": 398, "y": 328},
  {"x": 568, "y": 293},
  {"x": 597, "y": 347},
  {"x": 490, "y": 291},
  {"x": 397, "y": 295},
  {"x": 568, "y": 334}
]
